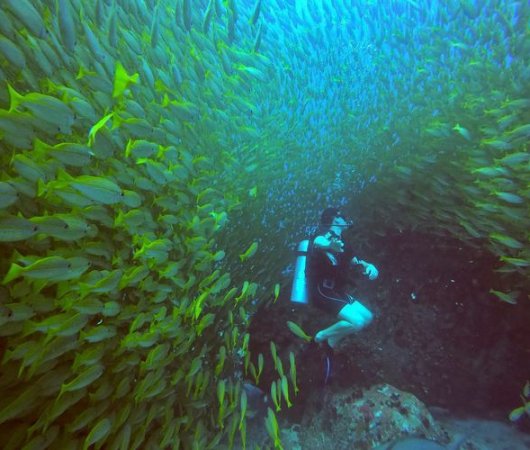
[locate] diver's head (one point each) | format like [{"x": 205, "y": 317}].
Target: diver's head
[
  {"x": 332, "y": 217},
  {"x": 327, "y": 216}
]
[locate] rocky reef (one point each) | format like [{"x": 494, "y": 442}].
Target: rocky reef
[{"x": 382, "y": 414}]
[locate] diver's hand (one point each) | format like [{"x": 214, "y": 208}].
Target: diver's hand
[
  {"x": 371, "y": 271},
  {"x": 336, "y": 246}
]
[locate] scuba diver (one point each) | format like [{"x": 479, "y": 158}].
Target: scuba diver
[{"x": 323, "y": 274}]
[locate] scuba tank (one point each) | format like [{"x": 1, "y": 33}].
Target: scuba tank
[{"x": 300, "y": 289}]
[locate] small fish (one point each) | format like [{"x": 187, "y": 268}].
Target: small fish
[
  {"x": 472, "y": 231},
  {"x": 506, "y": 240},
  {"x": 517, "y": 413},
  {"x": 88, "y": 376},
  {"x": 285, "y": 391},
  {"x": 292, "y": 372},
  {"x": 71, "y": 325},
  {"x": 274, "y": 353},
  {"x": 205, "y": 322},
  {"x": 155, "y": 27},
  {"x": 251, "y": 251},
  {"x": 132, "y": 219},
  {"x": 62, "y": 226},
  {"x": 276, "y": 395},
  {"x": 98, "y": 432},
  {"x": 99, "y": 333},
  {"x": 96, "y": 127},
  {"x": 133, "y": 275},
  {"x": 84, "y": 72},
  {"x": 14, "y": 228},
  {"x": 28, "y": 168},
  {"x": 276, "y": 291},
  {"x": 100, "y": 282},
  {"x": 271, "y": 424},
  {"x": 184, "y": 110},
  {"x": 113, "y": 27},
  {"x": 66, "y": 25},
  {"x": 143, "y": 340},
  {"x": 157, "y": 171},
  {"x": 103, "y": 392},
  {"x": 99, "y": 189},
  {"x": 68, "y": 153},
  {"x": 10, "y": 125},
  {"x": 221, "y": 391},
  {"x": 521, "y": 131},
  {"x": 28, "y": 15},
  {"x": 93, "y": 42},
  {"x": 45, "y": 109},
  {"x": 514, "y": 159},
  {"x": 510, "y": 297},
  {"x": 136, "y": 127},
  {"x": 492, "y": 171},
  {"x": 123, "y": 388},
  {"x": 90, "y": 306},
  {"x": 260, "y": 364},
  {"x": 40, "y": 56},
  {"x": 8, "y": 196},
  {"x": 243, "y": 407},
  {"x": 156, "y": 251},
  {"x": 509, "y": 197},
  {"x": 18, "y": 312},
  {"x": 122, "y": 80},
  {"x": 221, "y": 360},
  {"x": 232, "y": 19},
  {"x": 297, "y": 330},
  {"x": 131, "y": 199},
  {"x": 51, "y": 268},
  {"x": 156, "y": 356},
  {"x": 256, "y": 73},
  {"x": 186, "y": 14},
  {"x": 497, "y": 144},
  {"x": 218, "y": 256},
  {"x": 100, "y": 13},
  {"x": 255, "y": 13},
  {"x": 463, "y": 132},
  {"x": 140, "y": 149},
  {"x": 257, "y": 40},
  {"x": 526, "y": 390},
  {"x": 208, "y": 14},
  {"x": 12, "y": 53},
  {"x": 253, "y": 192}
]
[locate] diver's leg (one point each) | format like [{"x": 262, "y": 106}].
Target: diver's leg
[
  {"x": 353, "y": 316},
  {"x": 334, "y": 331},
  {"x": 346, "y": 330},
  {"x": 356, "y": 315}
]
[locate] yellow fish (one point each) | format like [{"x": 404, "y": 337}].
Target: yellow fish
[{"x": 251, "y": 251}]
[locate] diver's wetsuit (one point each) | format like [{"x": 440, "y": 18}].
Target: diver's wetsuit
[{"x": 329, "y": 275}]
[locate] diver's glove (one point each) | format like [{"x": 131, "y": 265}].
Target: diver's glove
[{"x": 369, "y": 269}]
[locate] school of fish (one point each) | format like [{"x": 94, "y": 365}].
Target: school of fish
[
  {"x": 119, "y": 326},
  {"x": 157, "y": 155}
]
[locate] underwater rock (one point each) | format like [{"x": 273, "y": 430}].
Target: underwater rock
[{"x": 383, "y": 414}]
